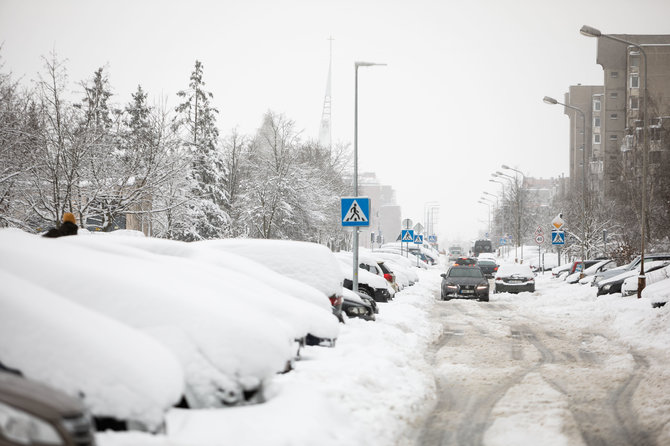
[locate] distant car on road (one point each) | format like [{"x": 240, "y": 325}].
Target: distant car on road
[
  {"x": 465, "y": 261},
  {"x": 514, "y": 278},
  {"x": 455, "y": 252},
  {"x": 464, "y": 282},
  {"x": 488, "y": 267}
]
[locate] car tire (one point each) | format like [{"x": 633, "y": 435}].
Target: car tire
[{"x": 484, "y": 298}]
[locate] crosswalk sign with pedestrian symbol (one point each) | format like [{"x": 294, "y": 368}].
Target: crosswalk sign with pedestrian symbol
[
  {"x": 418, "y": 239},
  {"x": 557, "y": 237},
  {"x": 407, "y": 236},
  {"x": 355, "y": 211}
]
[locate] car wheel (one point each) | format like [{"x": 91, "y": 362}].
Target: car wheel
[{"x": 484, "y": 298}]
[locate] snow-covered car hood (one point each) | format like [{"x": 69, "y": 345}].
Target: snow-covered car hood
[{"x": 82, "y": 352}]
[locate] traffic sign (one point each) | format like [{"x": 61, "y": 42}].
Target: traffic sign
[
  {"x": 557, "y": 222},
  {"x": 539, "y": 231},
  {"x": 432, "y": 238},
  {"x": 418, "y": 239},
  {"x": 407, "y": 223},
  {"x": 407, "y": 236},
  {"x": 539, "y": 239},
  {"x": 557, "y": 237},
  {"x": 503, "y": 241},
  {"x": 418, "y": 228},
  {"x": 355, "y": 211}
]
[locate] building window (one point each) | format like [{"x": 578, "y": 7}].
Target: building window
[
  {"x": 596, "y": 105},
  {"x": 596, "y": 138},
  {"x": 634, "y": 102},
  {"x": 596, "y": 121},
  {"x": 613, "y": 137},
  {"x": 634, "y": 81},
  {"x": 634, "y": 61},
  {"x": 614, "y": 74},
  {"x": 614, "y": 116},
  {"x": 614, "y": 95}
]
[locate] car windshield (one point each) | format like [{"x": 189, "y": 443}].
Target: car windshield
[{"x": 465, "y": 272}]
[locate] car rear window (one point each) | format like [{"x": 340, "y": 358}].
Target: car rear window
[{"x": 465, "y": 272}]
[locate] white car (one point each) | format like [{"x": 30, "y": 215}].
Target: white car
[
  {"x": 629, "y": 286},
  {"x": 658, "y": 293}
]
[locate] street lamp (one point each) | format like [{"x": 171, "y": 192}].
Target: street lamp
[
  {"x": 489, "y": 205},
  {"x": 589, "y": 31},
  {"x": 552, "y": 101},
  {"x": 517, "y": 171},
  {"x": 355, "y": 247}
]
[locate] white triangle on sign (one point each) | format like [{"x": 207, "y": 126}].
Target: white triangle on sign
[
  {"x": 354, "y": 213},
  {"x": 408, "y": 237}
]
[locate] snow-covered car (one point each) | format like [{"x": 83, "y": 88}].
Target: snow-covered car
[
  {"x": 590, "y": 272},
  {"x": 561, "y": 270},
  {"x": 354, "y": 305},
  {"x": 604, "y": 275},
  {"x": 78, "y": 351},
  {"x": 310, "y": 263},
  {"x": 306, "y": 310},
  {"x": 32, "y": 413},
  {"x": 514, "y": 278},
  {"x": 629, "y": 286},
  {"x": 400, "y": 265},
  {"x": 373, "y": 264},
  {"x": 613, "y": 284},
  {"x": 658, "y": 293},
  {"x": 371, "y": 284},
  {"x": 228, "y": 347}
]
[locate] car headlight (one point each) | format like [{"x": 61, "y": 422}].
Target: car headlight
[
  {"x": 607, "y": 287},
  {"x": 22, "y": 427},
  {"x": 482, "y": 286},
  {"x": 451, "y": 285}
]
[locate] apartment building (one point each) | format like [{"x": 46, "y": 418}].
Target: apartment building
[
  {"x": 585, "y": 138},
  {"x": 618, "y": 141}
]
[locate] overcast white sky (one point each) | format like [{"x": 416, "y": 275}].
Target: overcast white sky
[{"x": 461, "y": 95}]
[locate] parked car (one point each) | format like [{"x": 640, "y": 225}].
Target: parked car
[
  {"x": 488, "y": 267},
  {"x": 49, "y": 339},
  {"x": 32, "y": 413},
  {"x": 357, "y": 305},
  {"x": 628, "y": 267},
  {"x": 310, "y": 263},
  {"x": 590, "y": 271},
  {"x": 629, "y": 286},
  {"x": 613, "y": 284},
  {"x": 514, "y": 278},
  {"x": 403, "y": 267},
  {"x": 465, "y": 261},
  {"x": 464, "y": 282},
  {"x": 658, "y": 293},
  {"x": 371, "y": 284},
  {"x": 375, "y": 265},
  {"x": 561, "y": 270}
]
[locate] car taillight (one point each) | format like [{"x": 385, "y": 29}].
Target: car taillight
[
  {"x": 499, "y": 278},
  {"x": 388, "y": 277},
  {"x": 335, "y": 300},
  {"x": 495, "y": 269}
]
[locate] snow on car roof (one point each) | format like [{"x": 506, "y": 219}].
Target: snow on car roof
[
  {"x": 307, "y": 262},
  {"x": 513, "y": 268},
  {"x": 82, "y": 352}
]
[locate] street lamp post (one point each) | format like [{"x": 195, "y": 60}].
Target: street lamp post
[
  {"x": 355, "y": 247},
  {"x": 502, "y": 224},
  {"x": 592, "y": 32},
  {"x": 553, "y": 101}
]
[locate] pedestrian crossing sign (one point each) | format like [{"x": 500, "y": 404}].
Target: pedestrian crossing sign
[
  {"x": 418, "y": 239},
  {"x": 355, "y": 211},
  {"x": 557, "y": 237},
  {"x": 407, "y": 236}
]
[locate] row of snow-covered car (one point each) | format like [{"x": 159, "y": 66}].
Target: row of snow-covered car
[
  {"x": 610, "y": 278},
  {"x": 134, "y": 325}
]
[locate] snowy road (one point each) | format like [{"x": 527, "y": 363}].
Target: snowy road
[{"x": 510, "y": 372}]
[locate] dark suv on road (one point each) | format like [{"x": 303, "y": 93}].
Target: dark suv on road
[{"x": 464, "y": 282}]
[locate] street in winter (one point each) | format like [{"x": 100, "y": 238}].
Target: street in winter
[{"x": 334, "y": 222}]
